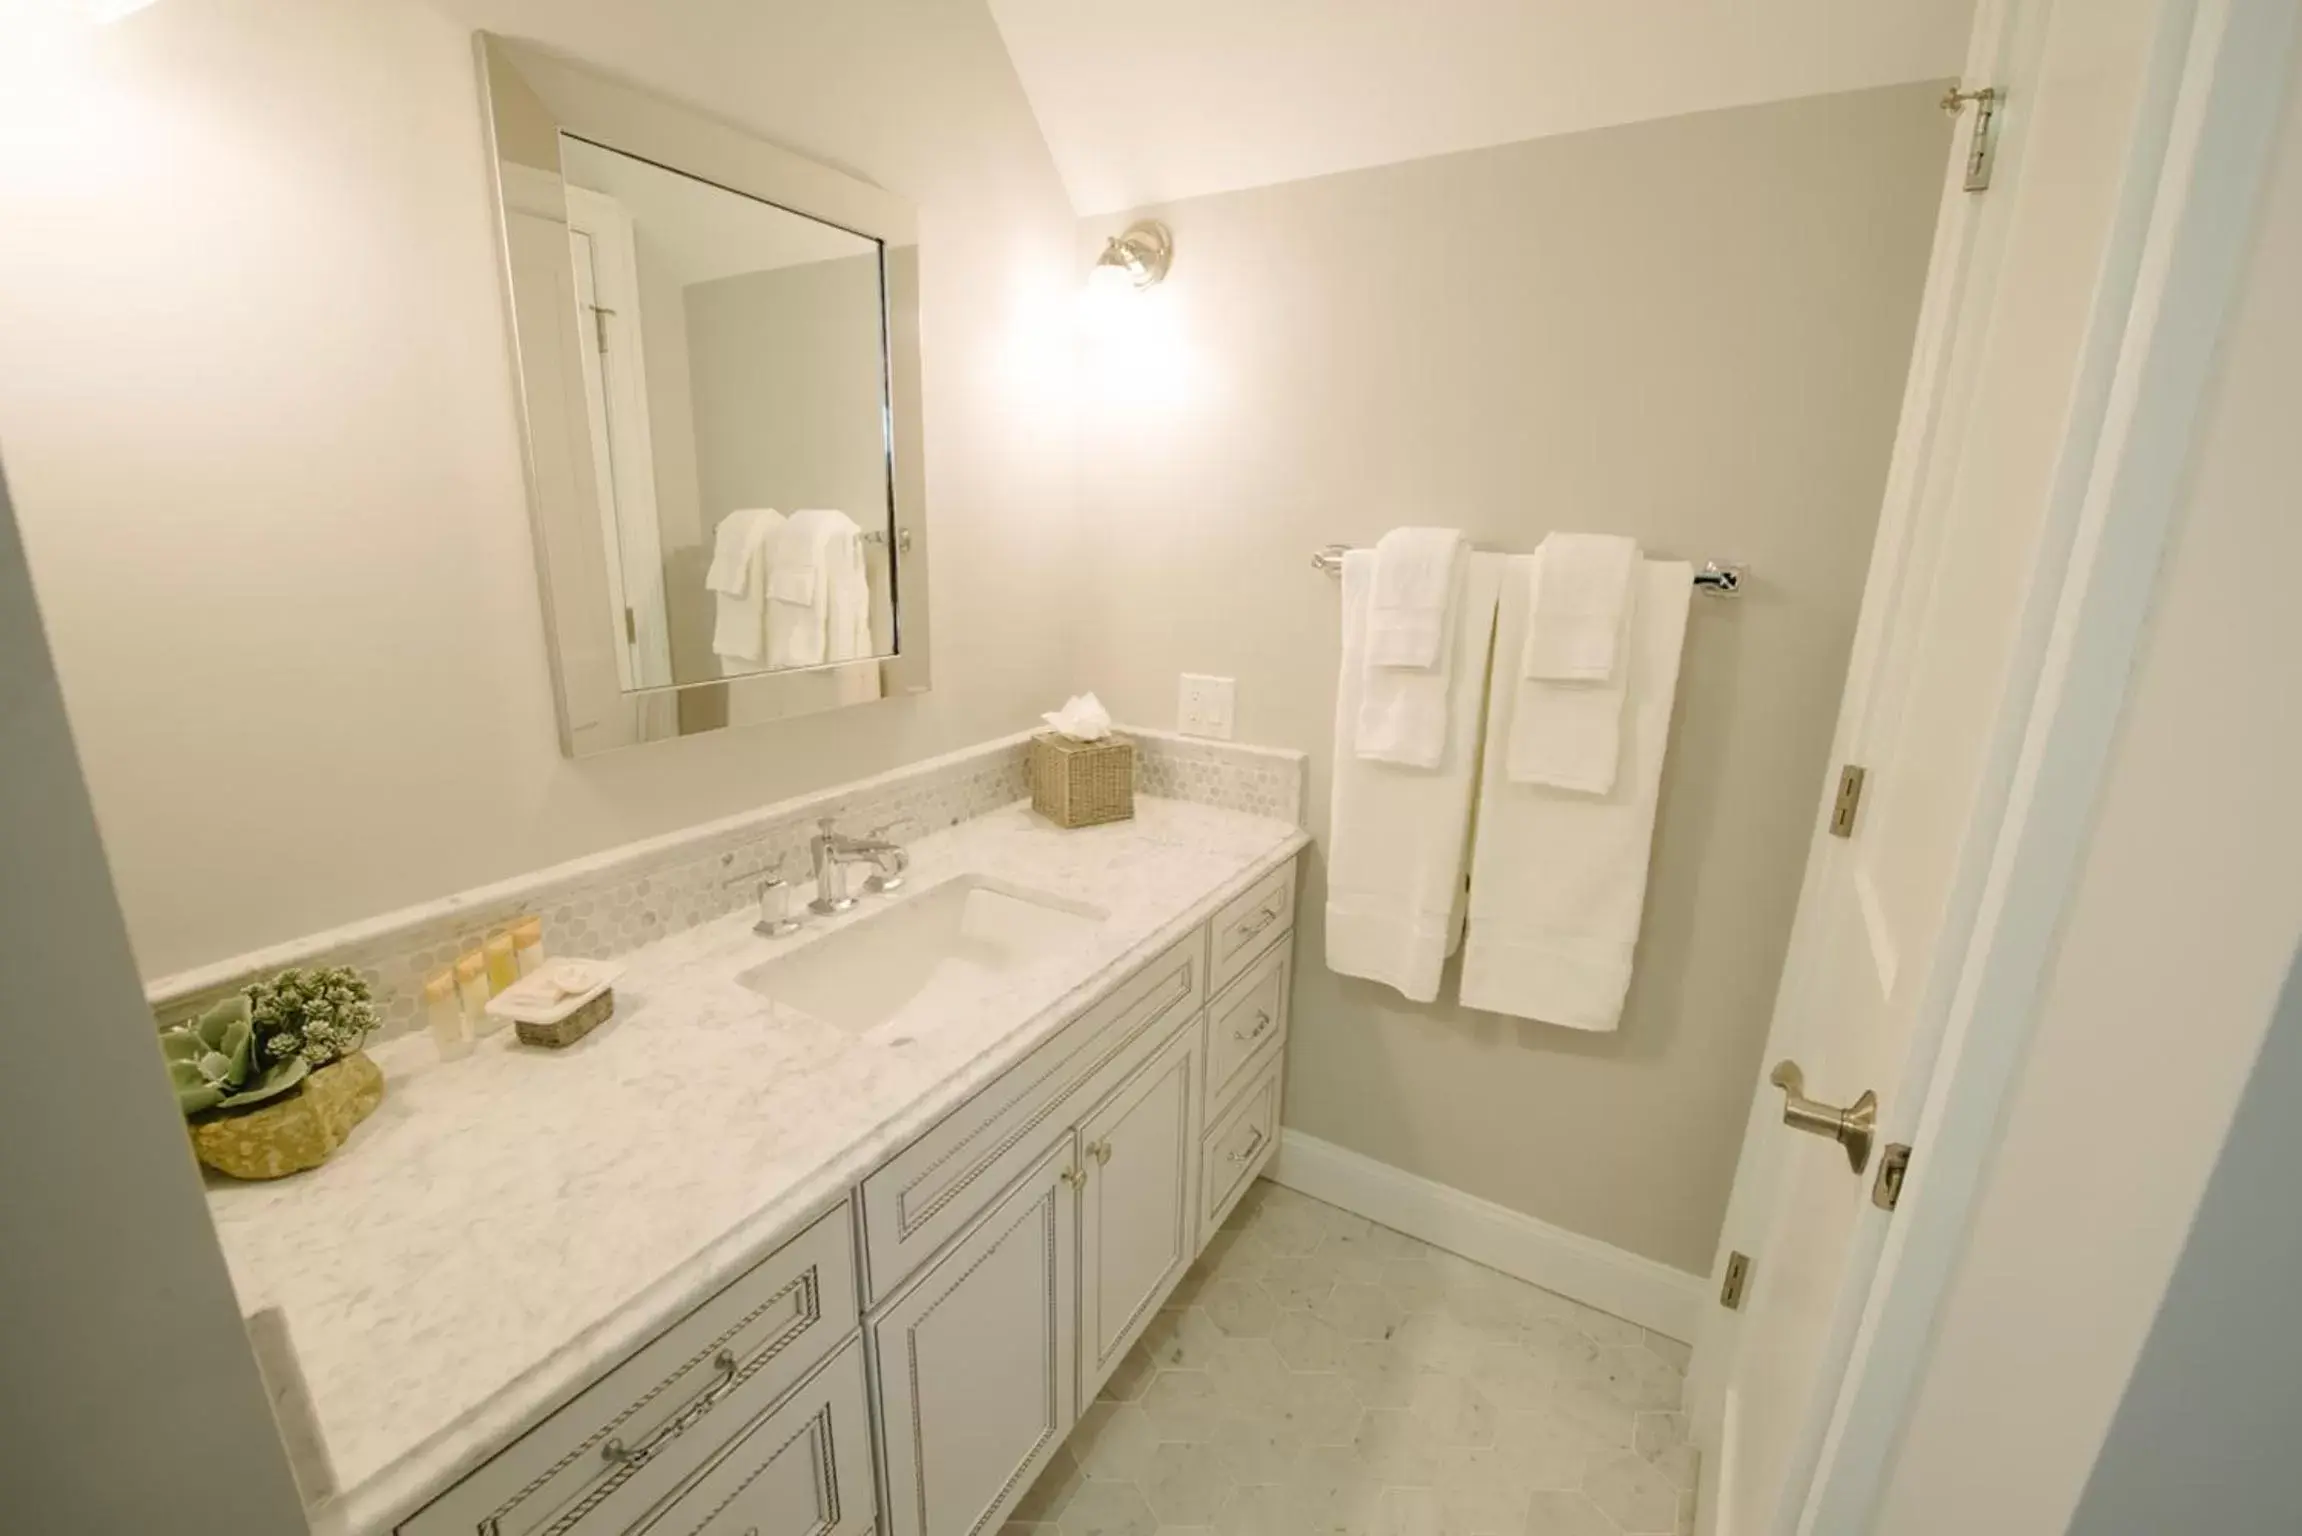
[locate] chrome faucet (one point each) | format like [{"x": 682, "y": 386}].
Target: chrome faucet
[{"x": 833, "y": 851}]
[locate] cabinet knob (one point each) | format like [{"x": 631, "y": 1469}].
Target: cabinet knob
[{"x": 1100, "y": 1151}]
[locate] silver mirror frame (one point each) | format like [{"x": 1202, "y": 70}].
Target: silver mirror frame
[{"x": 529, "y": 95}]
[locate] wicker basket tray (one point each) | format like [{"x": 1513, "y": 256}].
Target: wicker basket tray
[{"x": 1082, "y": 783}]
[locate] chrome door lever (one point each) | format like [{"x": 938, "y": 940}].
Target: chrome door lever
[{"x": 1853, "y": 1127}]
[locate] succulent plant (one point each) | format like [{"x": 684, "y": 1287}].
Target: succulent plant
[
  {"x": 212, "y": 1061},
  {"x": 315, "y": 1017}
]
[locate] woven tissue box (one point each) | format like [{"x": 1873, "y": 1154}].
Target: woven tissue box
[{"x": 1082, "y": 783}]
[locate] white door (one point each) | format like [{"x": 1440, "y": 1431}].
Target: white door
[
  {"x": 612, "y": 349},
  {"x": 1139, "y": 1150},
  {"x": 978, "y": 1360},
  {"x": 2009, "y": 349}
]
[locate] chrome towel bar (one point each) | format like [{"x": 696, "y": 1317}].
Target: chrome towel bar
[{"x": 1716, "y": 579}]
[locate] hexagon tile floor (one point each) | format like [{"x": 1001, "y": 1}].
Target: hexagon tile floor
[{"x": 1317, "y": 1375}]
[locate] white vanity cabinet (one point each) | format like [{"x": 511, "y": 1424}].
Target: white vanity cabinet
[
  {"x": 1139, "y": 1218},
  {"x": 977, "y": 1358},
  {"x": 961, "y": 1307}
]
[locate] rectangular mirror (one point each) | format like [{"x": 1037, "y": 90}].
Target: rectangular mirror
[{"x": 717, "y": 353}]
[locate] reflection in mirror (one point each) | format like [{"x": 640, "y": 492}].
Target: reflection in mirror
[
  {"x": 717, "y": 346},
  {"x": 735, "y": 379}
]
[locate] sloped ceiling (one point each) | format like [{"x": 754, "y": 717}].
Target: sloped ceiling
[{"x": 1162, "y": 99}]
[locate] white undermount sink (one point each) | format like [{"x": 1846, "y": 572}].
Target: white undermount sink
[{"x": 966, "y": 939}]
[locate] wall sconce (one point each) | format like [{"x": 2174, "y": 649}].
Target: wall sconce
[{"x": 1134, "y": 259}]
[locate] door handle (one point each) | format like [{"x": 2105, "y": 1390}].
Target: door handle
[{"x": 1852, "y": 1127}]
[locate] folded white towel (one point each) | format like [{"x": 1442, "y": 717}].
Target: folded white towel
[
  {"x": 1569, "y": 734},
  {"x": 1405, "y": 714},
  {"x": 1414, "y": 581},
  {"x": 737, "y": 580},
  {"x": 1582, "y": 600},
  {"x": 1558, "y": 880},
  {"x": 1397, "y": 839},
  {"x": 817, "y": 595}
]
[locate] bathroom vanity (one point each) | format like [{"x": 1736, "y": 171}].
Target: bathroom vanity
[{"x": 825, "y": 1233}]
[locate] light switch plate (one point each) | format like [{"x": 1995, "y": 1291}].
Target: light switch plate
[{"x": 1205, "y": 707}]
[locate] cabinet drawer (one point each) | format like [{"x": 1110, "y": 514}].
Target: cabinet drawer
[
  {"x": 803, "y": 1468},
  {"x": 920, "y": 1198},
  {"x": 618, "y": 1447},
  {"x": 1241, "y": 1143},
  {"x": 1250, "y": 1016},
  {"x": 1250, "y": 923}
]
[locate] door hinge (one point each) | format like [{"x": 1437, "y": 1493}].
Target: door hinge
[
  {"x": 1893, "y": 1167},
  {"x": 1849, "y": 800},
  {"x": 1736, "y": 1283},
  {"x": 1982, "y": 147},
  {"x": 630, "y": 627},
  {"x": 599, "y": 316}
]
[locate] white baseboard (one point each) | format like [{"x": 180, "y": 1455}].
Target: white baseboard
[{"x": 1580, "y": 1268}]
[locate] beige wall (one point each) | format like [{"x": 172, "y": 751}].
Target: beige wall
[
  {"x": 1692, "y": 330},
  {"x": 789, "y": 388},
  {"x": 260, "y": 418},
  {"x": 2176, "y": 944}
]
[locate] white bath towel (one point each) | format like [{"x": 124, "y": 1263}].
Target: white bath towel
[
  {"x": 1414, "y": 583},
  {"x": 737, "y": 581},
  {"x": 818, "y": 598},
  {"x": 1558, "y": 879},
  {"x": 1581, "y": 603},
  {"x": 1397, "y": 838},
  {"x": 1405, "y": 715}
]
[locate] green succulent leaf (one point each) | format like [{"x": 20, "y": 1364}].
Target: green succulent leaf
[
  {"x": 277, "y": 1080},
  {"x": 194, "y": 1093}
]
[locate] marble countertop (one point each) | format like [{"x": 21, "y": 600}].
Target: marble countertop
[{"x": 506, "y": 1226}]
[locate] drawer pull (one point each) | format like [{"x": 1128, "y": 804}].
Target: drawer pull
[
  {"x": 1248, "y": 1036},
  {"x": 1258, "y": 923},
  {"x": 1100, "y": 1151},
  {"x": 1253, "y": 1143},
  {"x": 617, "y": 1453}
]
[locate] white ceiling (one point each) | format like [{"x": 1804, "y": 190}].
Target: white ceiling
[
  {"x": 702, "y": 232},
  {"x": 1148, "y": 102}
]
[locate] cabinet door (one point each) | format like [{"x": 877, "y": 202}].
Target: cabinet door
[
  {"x": 802, "y": 1470},
  {"x": 978, "y": 1360},
  {"x": 1139, "y": 1151}
]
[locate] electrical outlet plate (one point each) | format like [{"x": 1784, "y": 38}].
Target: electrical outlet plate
[{"x": 1205, "y": 706}]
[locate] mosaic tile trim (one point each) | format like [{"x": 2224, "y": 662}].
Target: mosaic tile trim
[
  {"x": 1267, "y": 781},
  {"x": 613, "y": 902}
]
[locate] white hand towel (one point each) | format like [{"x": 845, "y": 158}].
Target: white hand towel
[
  {"x": 1414, "y": 582},
  {"x": 1405, "y": 714},
  {"x": 847, "y": 602},
  {"x": 737, "y": 580},
  {"x": 1398, "y": 837},
  {"x": 1558, "y": 880},
  {"x": 817, "y": 562},
  {"x": 1569, "y": 734},
  {"x": 1581, "y": 608}
]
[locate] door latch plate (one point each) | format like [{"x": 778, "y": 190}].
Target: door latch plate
[
  {"x": 1736, "y": 1283},
  {"x": 1893, "y": 1167}
]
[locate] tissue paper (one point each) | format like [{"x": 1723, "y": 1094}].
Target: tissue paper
[{"x": 1082, "y": 719}]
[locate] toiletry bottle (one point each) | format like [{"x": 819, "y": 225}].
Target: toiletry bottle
[
  {"x": 528, "y": 944},
  {"x": 472, "y": 992},
  {"x": 444, "y": 1016},
  {"x": 503, "y": 968}
]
